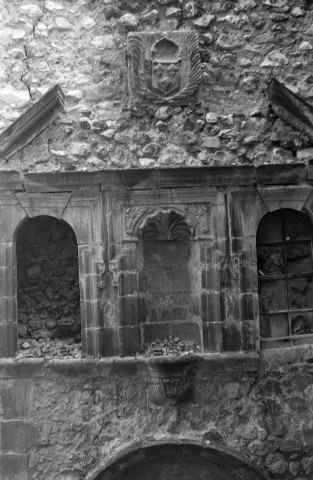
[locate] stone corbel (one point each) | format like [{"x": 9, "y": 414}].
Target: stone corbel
[{"x": 115, "y": 266}]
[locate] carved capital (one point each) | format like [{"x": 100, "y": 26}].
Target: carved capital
[
  {"x": 132, "y": 215},
  {"x": 115, "y": 267},
  {"x": 201, "y": 214}
]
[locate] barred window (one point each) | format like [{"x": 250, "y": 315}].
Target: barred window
[{"x": 285, "y": 273}]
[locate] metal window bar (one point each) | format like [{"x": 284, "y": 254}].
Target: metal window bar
[{"x": 287, "y": 277}]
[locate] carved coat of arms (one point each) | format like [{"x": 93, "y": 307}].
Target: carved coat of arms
[{"x": 164, "y": 67}]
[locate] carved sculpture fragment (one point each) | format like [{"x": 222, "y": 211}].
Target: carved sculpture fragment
[{"x": 164, "y": 67}]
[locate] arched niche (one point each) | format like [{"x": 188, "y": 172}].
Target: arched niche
[
  {"x": 169, "y": 283},
  {"x": 47, "y": 280},
  {"x": 176, "y": 461}
]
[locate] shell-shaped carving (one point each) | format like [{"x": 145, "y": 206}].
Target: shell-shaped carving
[{"x": 166, "y": 226}]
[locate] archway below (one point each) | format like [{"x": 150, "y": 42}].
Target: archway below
[{"x": 178, "y": 462}]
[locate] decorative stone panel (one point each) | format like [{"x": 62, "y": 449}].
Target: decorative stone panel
[
  {"x": 164, "y": 67},
  {"x": 160, "y": 220}
]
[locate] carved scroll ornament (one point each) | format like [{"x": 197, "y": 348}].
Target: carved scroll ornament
[
  {"x": 163, "y": 67},
  {"x": 202, "y": 215},
  {"x": 132, "y": 215}
]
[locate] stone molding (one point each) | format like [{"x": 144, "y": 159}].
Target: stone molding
[
  {"x": 290, "y": 107},
  {"x": 32, "y": 122}
]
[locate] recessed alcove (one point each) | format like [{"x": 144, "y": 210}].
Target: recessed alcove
[
  {"x": 47, "y": 280},
  {"x": 169, "y": 284}
]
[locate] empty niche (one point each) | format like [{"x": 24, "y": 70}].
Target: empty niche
[
  {"x": 169, "y": 290},
  {"x": 48, "y": 287}
]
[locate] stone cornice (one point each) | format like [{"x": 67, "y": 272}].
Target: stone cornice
[
  {"x": 32, "y": 122},
  {"x": 290, "y": 107},
  {"x": 145, "y": 179}
]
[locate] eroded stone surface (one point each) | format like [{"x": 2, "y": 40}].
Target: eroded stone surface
[{"x": 240, "y": 46}]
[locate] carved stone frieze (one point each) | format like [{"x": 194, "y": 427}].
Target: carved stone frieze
[
  {"x": 202, "y": 215},
  {"x": 132, "y": 215},
  {"x": 164, "y": 67}
]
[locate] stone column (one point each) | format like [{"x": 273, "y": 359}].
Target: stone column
[
  {"x": 11, "y": 215},
  {"x": 245, "y": 210},
  {"x": 84, "y": 214}
]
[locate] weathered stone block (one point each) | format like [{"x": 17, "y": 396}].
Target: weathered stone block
[
  {"x": 7, "y": 254},
  {"x": 13, "y": 466},
  {"x": 231, "y": 336},
  {"x": 281, "y": 174},
  {"x": 129, "y": 310},
  {"x": 212, "y": 337},
  {"x": 8, "y": 309},
  {"x": 248, "y": 306},
  {"x": 17, "y": 399},
  {"x": 17, "y": 436},
  {"x": 91, "y": 342},
  {"x": 248, "y": 331},
  {"x": 152, "y": 331},
  {"x": 86, "y": 367},
  {"x": 128, "y": 283},
  {"x": 8, "y": 339},
  {"x": 109, "y": 342},
  {"x": 187, "y": 331},
  {"x": 90, "y": 313},
  {"x": 130, "y": 340}
]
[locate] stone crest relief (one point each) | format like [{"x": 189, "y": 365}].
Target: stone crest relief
[{"x": 164, "y": 67}]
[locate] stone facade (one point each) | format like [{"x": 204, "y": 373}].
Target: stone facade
[
  {"x": 141, "y": 145},
  {"x": 82, "y": 46}
]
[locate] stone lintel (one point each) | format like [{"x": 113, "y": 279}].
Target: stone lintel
[
  {"x": 139, "y": 179},
  {"x": 290, "y": 107},
  {"x": 32, "y": 122}
]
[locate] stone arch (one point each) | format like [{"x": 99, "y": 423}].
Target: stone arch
[
  {"x": 48, "y": 296},
  {"x": 175, "y": 460}
]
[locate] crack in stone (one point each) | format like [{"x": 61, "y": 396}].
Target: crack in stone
[{"x": 28, "y": 82}]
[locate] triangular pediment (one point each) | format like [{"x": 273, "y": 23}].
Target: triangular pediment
[
  {"x": 32, "y": 122},
  {"x": 291, "y": 108}
]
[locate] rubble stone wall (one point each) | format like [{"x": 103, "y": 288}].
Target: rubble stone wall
[
  {"x": 67, "y": 419},
  {"x": 82, "y": 46},
  {"x": 48, "y": 281}
]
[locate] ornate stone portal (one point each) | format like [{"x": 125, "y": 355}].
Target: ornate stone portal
[{"x": 164, "y": 67}]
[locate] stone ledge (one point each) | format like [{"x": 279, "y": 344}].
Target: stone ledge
[
  {"x": 27, "y": 367},
  {"x": 231, "y": 362},
  {"x": 118, "y": 366},
  {"x": 274, "y": 358}
]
